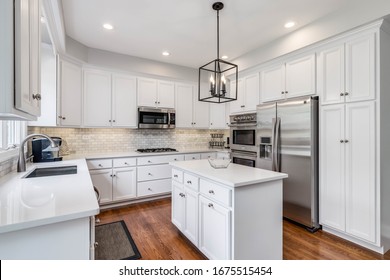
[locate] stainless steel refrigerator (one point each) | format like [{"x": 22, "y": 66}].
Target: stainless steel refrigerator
[{"x": 288, "y": 137}]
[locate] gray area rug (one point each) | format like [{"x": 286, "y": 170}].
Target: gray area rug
[{"x": 115, "y": 242}]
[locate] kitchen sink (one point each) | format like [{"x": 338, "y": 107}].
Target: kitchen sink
[{"x": 52, "y": 171}]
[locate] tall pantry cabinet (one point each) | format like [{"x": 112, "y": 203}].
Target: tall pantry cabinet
[{"x": 354, "y": 183}]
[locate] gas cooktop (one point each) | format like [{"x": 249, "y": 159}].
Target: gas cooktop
[{"x": 156, "y": 150}]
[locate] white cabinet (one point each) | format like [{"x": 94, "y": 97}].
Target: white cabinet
[
  {"x": 218, "y": 118},
  {"x": 346, "y": 72},
  {"x": 20, "y": 92},
  {"x": 247, "y": 96},
  {"x": 347, "y": 169},
  {"x": 102, "y": 180},
  {"x": 156, "y": 93},
  {"x": 208, "y": 155},
  {"x": 190, "y": 113},
  {"x": 191, "y": 156},
  {"x": 109, "y": 99},
  {"x": 293, "y": 78},
  {"x": 124, "y": 185},
  {"x": 69, "y": 93}
]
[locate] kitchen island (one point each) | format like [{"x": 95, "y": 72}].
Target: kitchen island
[
  {"x": 233, "y": 213},
  {"x": 50, "y": 217}
]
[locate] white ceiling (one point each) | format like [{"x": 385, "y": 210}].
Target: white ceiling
[{"x": 187, "y": 28}]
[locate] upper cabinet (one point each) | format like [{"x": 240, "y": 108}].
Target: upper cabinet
[
  {"x": 156, "y": 93},
  {"x": 346, "y": 72},
  {"x": 218, "y": 119},
  {"x": 293, "y": 78},
  {"x": 69, "y": 93},
  {"x": 109, "y": 99},
  {"x": 190, "y": 113},
  {"x": 20, "y": 59},
  {"x": 247, "y": 95}
]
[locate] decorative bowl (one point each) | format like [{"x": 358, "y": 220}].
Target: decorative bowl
[{"x": 219, "y": 163}]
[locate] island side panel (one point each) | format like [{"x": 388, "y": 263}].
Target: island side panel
[{"x": 258, "y": 221}]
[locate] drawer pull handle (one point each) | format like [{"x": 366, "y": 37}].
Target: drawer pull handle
[
  {"x": 100, "y": 165},
  {"x": 149, "y": 161},
  {"x": 341, "y": 94},
  {"x": 211, "y": 192},
  {"x": 175, "y": 176},
  {"x": 189, "y": 182},
  {"x": 210, "y": 205},
  {"x": 149, "y": 189},
  {"x": 175, "y": 159},
  {"x": 150, "y": 174},
  {"x": 126, "y": 163}
]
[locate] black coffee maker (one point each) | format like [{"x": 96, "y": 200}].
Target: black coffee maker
[{"x": 43, "y": 152}]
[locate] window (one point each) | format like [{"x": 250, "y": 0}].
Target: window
[{"x": 11, "y": 134}]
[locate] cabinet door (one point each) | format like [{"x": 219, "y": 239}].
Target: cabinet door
[
  {"x": 184, "y": 103},
  {"x": 124, "y": 101},
  {"x": 360, "y": 69},
  {"x": 331, "y": 75},
  {"x": 201, "y": 113},
  {"x": 238, "y": 105},
  {"x": 272, "y": 83},
  {"x": 190, "y": 228},
  {"x": 360, "y": 170},
  {"x": 332, "y": 164},
  {"x": 166, "y": 94},
  {"x": 218, "y": 116},
  {"x": 300, "y": 76},
  {"x": 27, "y": 56},
  {"x": 97, "y": 98},
  {"x": 70, "y": 88},
  {"x": 102, "y": 180},
  {"x": 214, "y": 230},
  {"x": 178, "y": 205},
  {"x": 147, "y": 92},
  {"x": 124, "y": 183},
  {"x": 252, "y": 92}
]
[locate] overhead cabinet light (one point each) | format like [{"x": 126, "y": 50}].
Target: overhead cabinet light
[{"x": 213, "y": 83}]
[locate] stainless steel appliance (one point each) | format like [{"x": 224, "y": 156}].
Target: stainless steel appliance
[
  {"x": 156, "y": 150},
  {"x": 288, "y": 143},
  {"x": 243, "y": 139},
  {"x": 156, "y": 117},
  {"x": 42, "y": 150}
]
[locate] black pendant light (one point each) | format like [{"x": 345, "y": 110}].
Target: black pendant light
[{"x": 213, "y": 83}]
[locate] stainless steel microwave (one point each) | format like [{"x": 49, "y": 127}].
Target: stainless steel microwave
[{"x": 149, "y": 117}]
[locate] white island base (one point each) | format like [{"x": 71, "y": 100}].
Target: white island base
[{"x": 233, "y": 213}]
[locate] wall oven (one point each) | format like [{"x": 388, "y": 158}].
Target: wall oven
[
  {"x": 156, "y": 117},
  {"x": 244, "y": 158}
]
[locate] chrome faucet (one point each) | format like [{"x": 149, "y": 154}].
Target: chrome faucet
[{"x": 22, "y": 159}]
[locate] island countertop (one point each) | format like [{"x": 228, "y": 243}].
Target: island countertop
[
  {"x": 235, "y": 175},
  {"x": 31, "y": 202}
]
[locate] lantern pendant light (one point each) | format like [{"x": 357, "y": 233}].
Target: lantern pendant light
[{"x": 213, "y": 76}]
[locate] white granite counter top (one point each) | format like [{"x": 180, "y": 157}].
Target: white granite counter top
[
  {"x": 31, "y": 202},
  {"x": 234, "y": 175}
]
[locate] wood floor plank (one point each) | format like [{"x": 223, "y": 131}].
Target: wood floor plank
[{"x": 158, "y": 239}]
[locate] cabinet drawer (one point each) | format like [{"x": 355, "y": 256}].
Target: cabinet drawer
[
  {"x": 99, "y": 163},
  {"x": 208, "y": 155},
  {"x": 159, "y": 159},
  {"x": 191, "y": 156},
  {"x": 154, "y": 172},
  {"x": 191, "y": 181},
  {"x": 177, "y": 175},
  {"x": 124, "y": 162},
  {"x": 154, "y": 187},
  {"x": 216, "y": 192}
]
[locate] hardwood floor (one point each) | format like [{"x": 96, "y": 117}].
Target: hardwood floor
[{"x": 158, "y": 239}]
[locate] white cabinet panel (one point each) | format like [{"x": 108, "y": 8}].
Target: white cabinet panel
[
  {"x": 124, "y": 99},
  {"x": 248, "y": 94},
  {"x": 191, "y": 156},
  {"x": 191, "y": 215},
  {"x": 218, "y": 116},
  {"x": 300, "y": 76},
  {"x": 102, "y": 180},
  {"x": 151, "y": 188},
  {"x": 97, "y": 98},
  {"x": 272, "y": 83},
  {"x": 178, "y": 205},
  {"x": 153, "y": 172},
  {"x": 166, "y": 94},
  {"x": 124, "y": 183},
  {"x": 238, "y": 105},
  {"x": 147, "y": 92}
]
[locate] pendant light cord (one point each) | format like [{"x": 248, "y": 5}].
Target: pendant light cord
[{"x": 217, "y": 34}]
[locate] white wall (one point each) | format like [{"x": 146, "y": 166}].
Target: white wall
[{"x": 343, "y": 20}]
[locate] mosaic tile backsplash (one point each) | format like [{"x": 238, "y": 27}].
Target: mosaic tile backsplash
[{"x": 92, "y": 140}]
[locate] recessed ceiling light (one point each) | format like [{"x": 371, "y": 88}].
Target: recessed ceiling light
[
  {"x": 108, "y": 26},
  {"x": 166, "y": 53},
  {"x": 289, "y": 24},
  {"x": 224, "y": 57}
]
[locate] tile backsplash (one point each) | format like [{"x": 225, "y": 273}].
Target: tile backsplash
[
  {"x": 95, "y": 140},
  {"x": 8, "y": 166}
]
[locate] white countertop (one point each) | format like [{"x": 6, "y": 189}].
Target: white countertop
[
  {"x": 234, "y": 175},
  {"x": 138, "y": 154},
  {"x": 31, "y": 202}
]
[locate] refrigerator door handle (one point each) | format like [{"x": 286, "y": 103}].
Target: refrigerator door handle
[{"x": 275, "y": 145}]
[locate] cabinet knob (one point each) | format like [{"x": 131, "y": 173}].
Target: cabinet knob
[
  {"x": 182, "y": 195},
  {"x": 175, "y": 159},
  {"x": 109, "y": 120},
  {"x": 149, "y": 189},
  {"x": 37, "y": 96},
  {"x": 286, "y": 92},
  {"x": 63, "y": 118},
  {"x": 242, "y": 106},
  {"x": 150, "y": 174},
  {"x": 211, "y": 192},
  {"x": 282, "y": 92},
  {"x": 126, "y": 163},
  {"x": 341, "y": 141},
  {"x": 100, "y": 165},
  {"x": 97, "y": 220},
  {"x": 211, "y": 123},
  {"x": 210, "y": 205},
  {"x": 113, "y": 120},
  {"x": 158, "y": 102},
  {"x": 342, "y": 94},
  {"x": 149, "y": 161},
  {"x": 189, "y": 182},
  {"x": 175, "y": 176},
  {"x": 346, "y": 93},
  {"x": 346, "y": 141},
  {"x": 96, "y": 244}
]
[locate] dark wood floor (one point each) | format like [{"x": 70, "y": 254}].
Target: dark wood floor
[{"x": 158, "y": 239}]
